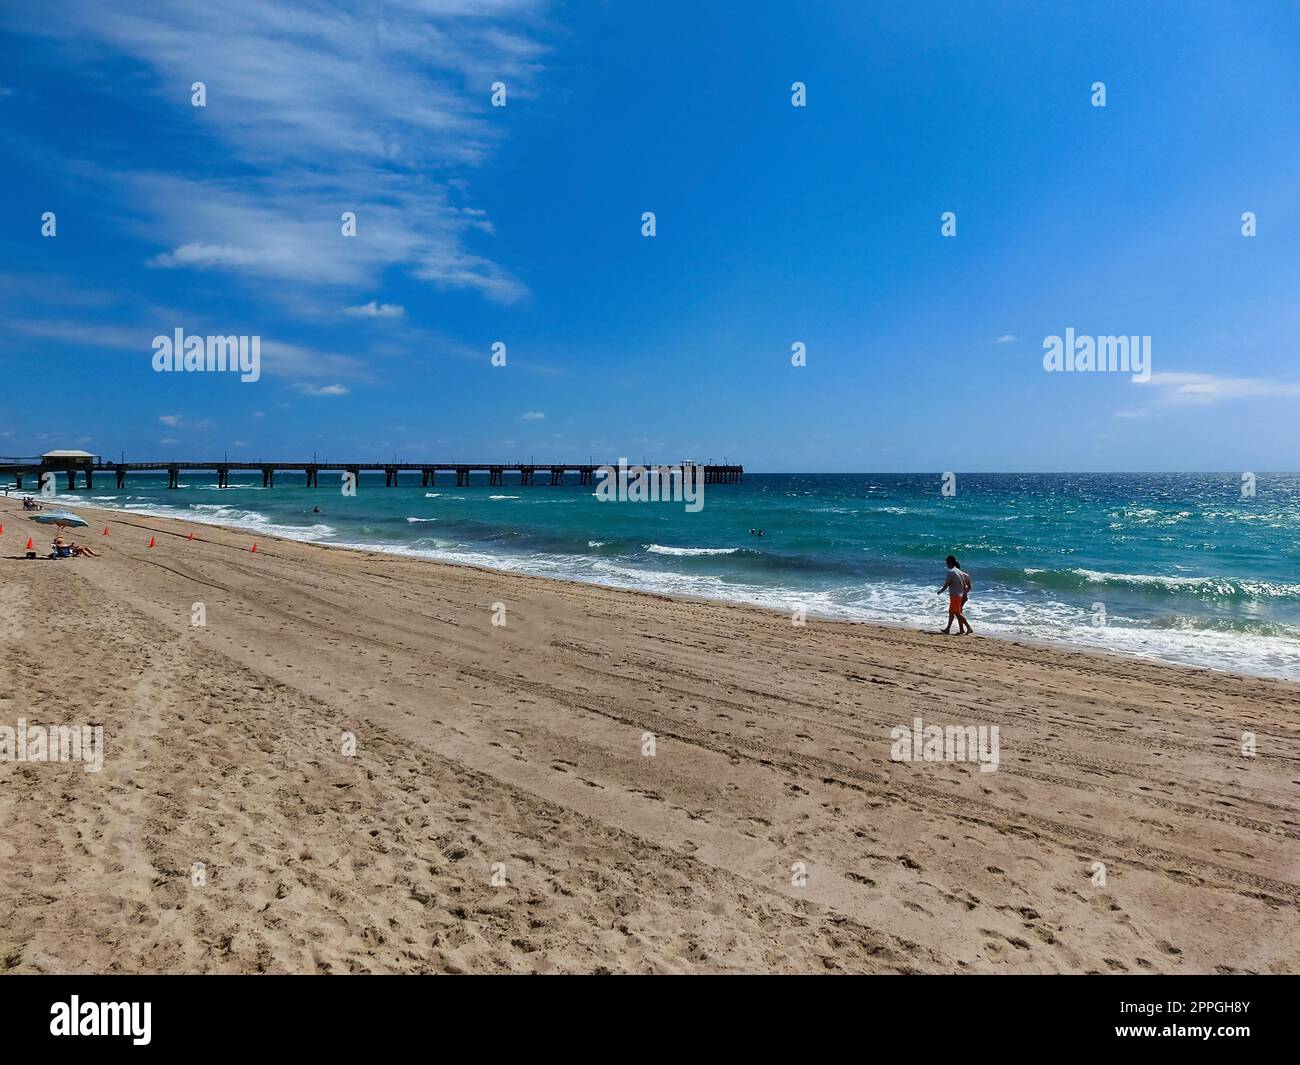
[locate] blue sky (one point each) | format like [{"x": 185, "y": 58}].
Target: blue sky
[{"x": 775, "y": 224}]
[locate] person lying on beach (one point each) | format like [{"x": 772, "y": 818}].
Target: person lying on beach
[
  {"x": 957, "y": 585},
  {"x": 60, "y": 549},
  {"x": 78, "y": 549}
]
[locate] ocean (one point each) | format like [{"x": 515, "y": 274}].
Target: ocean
[{"x": 1178, "y": 568}]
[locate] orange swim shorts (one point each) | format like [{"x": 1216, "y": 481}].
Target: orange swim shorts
[{"x": 955, "y": 603}]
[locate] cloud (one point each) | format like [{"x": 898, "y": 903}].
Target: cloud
[
  {"x": 305, "y": 365},
  {"x": 89, "y": 333},
  {"x": 275, "y": 229},
  {"x": 376, "y": 310},
  {"x": 533, "y": 416},
  {"x": 292, "y": 361},
  {"x": 170, "y": 420},
  {"x": 1203, "y": 389},
  {"x": 1006, "y": 338},
  {"x": 316, "y": 390},
  {"x": 316, "y": 110},
  {"x": 1136, "y": 414}
]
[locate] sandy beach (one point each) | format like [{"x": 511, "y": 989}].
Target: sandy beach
[{"x": 501, "y": 813}]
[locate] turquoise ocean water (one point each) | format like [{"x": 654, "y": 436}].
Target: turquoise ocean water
[{"x": 1185, "y": 568}]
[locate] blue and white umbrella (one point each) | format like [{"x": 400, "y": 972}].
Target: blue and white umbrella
[{"x": 60, "y": 518}]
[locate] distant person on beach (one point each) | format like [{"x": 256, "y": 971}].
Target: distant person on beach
[
  {"x": 78, "y": 549},
  {"x": 957, "y": 585}
]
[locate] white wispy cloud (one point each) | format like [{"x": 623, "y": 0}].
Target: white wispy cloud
[
  {"x": 1006, "y": 338},
  {"x": 93, "y": 334},
  {"x": 317, "y": 390},
  {"x": 533, "y": 416},
  {"x": 295, "y": 362},
  {"x": 309, "y": 365},
  {"x": 327, "y": 107},
  {"x": 1203, "y": 389},
  {"x": 374, "y": 309},
  {"x": 272, "y": 229},
  {"x": 170, "y": 420}
]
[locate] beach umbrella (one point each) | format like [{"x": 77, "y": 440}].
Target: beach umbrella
[{"x": 61, "y": 518}]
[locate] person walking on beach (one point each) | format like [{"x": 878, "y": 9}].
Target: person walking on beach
[{"x": 957, "y": 585}]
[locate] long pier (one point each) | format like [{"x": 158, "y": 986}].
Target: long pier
[{"x": 528, "y": 473}]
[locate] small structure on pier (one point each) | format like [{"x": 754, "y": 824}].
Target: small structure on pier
[{"x": 69, "y": 462}]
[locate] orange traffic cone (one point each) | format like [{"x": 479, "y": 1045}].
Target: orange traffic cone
[
  {"x": 29, "y": 544},
  {"x": 105, "y": 530},
  {"x": 151, "y": 541},
  {"x": 254, "y": 550},
  {"x": 191, "y": 536}
]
